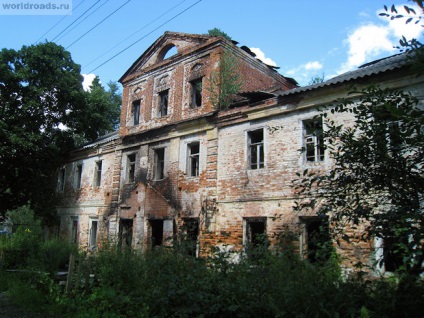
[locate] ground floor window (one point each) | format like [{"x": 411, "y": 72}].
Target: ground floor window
[
  {"x": 255, "y": 236},
  {"x": 125, "y": 233},
  {"x": 156, "y": 231},
  {"x": 74, "y": 229},
  {"x": 191, "y": 236},
  {"x": 315, "y": 240}
]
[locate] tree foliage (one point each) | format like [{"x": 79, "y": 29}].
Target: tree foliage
[
  {"x": 43, "y": 108},
  {"x": 218, "y": 32},
  {"x": 225, "y": 82},
  {"x": 376, "y": 178}
]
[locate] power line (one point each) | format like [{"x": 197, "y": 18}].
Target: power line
[
  {"x": 145, "y": 26},
  {"x": 64, "y": 17},
  {"x": 97, "y": 24},
  {"x": 76, "y": 19},
  {"x": 75, "y": 26},
  {"x": 131, "y": 45}
]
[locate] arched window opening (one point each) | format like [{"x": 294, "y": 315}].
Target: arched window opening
[{"x": 167, "y": 52}]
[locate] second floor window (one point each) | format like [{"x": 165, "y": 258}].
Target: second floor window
[
  {"x": 131, "y": 168},
  {"x": 163, "y": 103},
  {"x": 78, "y": 176},
  {"x": 136, "y": 112},
  {"x": 61, "y": 180},
  {"x": 313, "y": 140},
  {"x": 193, "y": 159},
  {"x": 159, "y": 169},
  {"x": 256, "y": 149},
  {"x": 98, "y": 174},
  {"x": 196, "y": 93}
]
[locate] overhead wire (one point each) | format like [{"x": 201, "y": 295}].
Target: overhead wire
[
  {"x": 134, "y": 43},
  {"x": 63, "y": 18},
  {"x": 134, "y": 33},
  {"x": 81, "y": 21},
  {"x": 76, "y": 19},
  {"x": 98, "y": 24}
]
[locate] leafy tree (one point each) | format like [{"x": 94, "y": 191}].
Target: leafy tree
[
  {"x": 42, "y": 109},
  {"x": 376, "y": 179},
  {"x": 104, "y": 107},
  {"x": 218, "y": 32},
  {"x": 316, "y": 79},
  {"x": 225, "y": 82}
]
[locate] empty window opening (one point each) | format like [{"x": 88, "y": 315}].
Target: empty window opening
[
  {"x": 159, "y": 169},
  {"x": 136, "y": 112},
  {"x": 193, "y": 159},
  {"x": 98, "y": 174},
  {"x": 392, "y": 253},
  {"x": 131, "y": 168},
  {"x": 256, "y": 149},
  {"x": 156, "y": 227},
  {"x": 61, "y": 180},
  {"x": 125, "y": 233},
  {"x": 74, "y": 230},
  {"x": 316, "y": 245},
  {"x": 191, "y": 236},
  {"x": 163, "y": 103},
  {"x": 170, "y": 52},
  {"x": 93, "y": 233},
  {"x": 313, "y": 140},
  {"x": 196, "y": 93},
  {"x": 255, "y": 237},
  {"x": 78, "y": 176}
]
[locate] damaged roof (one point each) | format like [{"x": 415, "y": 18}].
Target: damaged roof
[
  {"x": 101, "y": 140},
  {"x": 373, "y": 68}
]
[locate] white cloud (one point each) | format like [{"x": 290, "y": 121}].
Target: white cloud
[
  {"x": 315, "y": 65},
  {"x": 372, "y": 41},
  {"x": 261, "y": 55},
  {"x": 305, "y": 72},
  {"x": 88, "y": 79}
]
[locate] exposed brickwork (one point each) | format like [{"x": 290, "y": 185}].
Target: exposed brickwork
[{"x": 227, "y": 193}]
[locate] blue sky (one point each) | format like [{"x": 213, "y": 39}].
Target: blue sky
[{"x": 305, "y": 38}]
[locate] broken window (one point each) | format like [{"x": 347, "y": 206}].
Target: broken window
[
  {"x": 125, "y": 234},
  {"x": 196, "y": 93},
  {"x": 255, "y": 237},
  {"x": 98, "y": 174},
  {"x": 156, "y": 229},
  {"x": 159, "y": 169},
  {"x": 163, "y": 103},
  {"x": 131, "y": 168},
  {"x": 316, "y": 245},
  {"x": 256, "y": 149},
  {"x": 92, "y": 241},
  {"x": 393, "y": 252},
  {"x": 313, "y": 140},
  {"x": 61, "y": 180},
  {"x": 193, "y": 159},
  {"x": 136, "y": 112},
  {"x": 78, "y": 176},
  {"x": 74, "y": 230},
  {"x": 191, "y": 236}
]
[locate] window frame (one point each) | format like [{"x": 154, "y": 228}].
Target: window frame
[
  {"x": 131, "y": 168},
  {"x": 78, "y": 176},
  {"x": 61, "y": 179},
  {"x": 163, "y": 103},
  {"x": 98, "y": 173},
  {"x": 193, "y": 158},
  {"x": 196, "y": 92},
  {"x": 313, "y": 140},
  {"x": 135, "y": 110},
  {"x": 256, "y": 150},
  {"x": 74, "y": 231},
  {"x": 92, "y": 238},
  {"x": 159, "y": 163}
]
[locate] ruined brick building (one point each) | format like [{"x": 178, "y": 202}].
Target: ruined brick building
[{"x": 180, "y": 165}]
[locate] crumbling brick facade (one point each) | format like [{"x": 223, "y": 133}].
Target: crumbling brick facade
[{"x": 181, "y": 166}]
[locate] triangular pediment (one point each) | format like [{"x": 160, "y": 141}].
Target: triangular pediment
[{"x": 157, "y": 52}]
